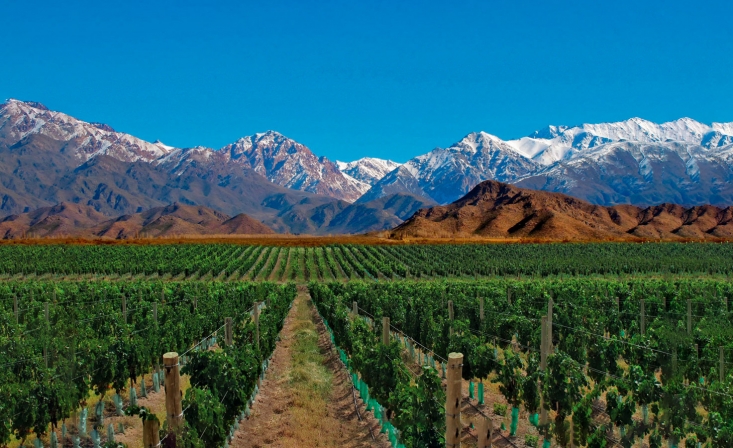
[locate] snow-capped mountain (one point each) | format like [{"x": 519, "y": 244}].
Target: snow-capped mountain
[
  {"x": 445, "y": 174},
  {"x": 19, "y": 119},
  {"x": 279, "y": 159},
  {"x": 290, "y": 164},
  {"x": 642, "y": 174},
  {"x": 368, "y": 170},
  {"x": 555, "y": 143},
  {"x": 633, "y": 161}
]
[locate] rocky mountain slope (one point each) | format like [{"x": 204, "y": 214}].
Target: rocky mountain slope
[
  {"x": 498, "y": 210},
  {"x": 48, "y": 158},
  {"x": 633, "y": 161}
]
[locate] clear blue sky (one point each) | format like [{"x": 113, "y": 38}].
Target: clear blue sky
[{"x": 389, "y": 79}]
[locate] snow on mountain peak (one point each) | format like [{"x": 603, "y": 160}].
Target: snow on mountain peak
[{"x": 368, "y": 170}]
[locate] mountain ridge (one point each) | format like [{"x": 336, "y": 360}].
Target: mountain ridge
[{"x": 497, "y": 210}]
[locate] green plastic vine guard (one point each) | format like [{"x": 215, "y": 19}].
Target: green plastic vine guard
[
  {"x": 515, "y": 422},
  {"x": 481, "y": 393},
  {"x": 133, "y": 397},
  {"x": 143, "y": 390},
  {"x": 64, "y": 430},
  {"x": 110, "y": 433},
  {"x": 471, "y": 395},
  {"x": 54, "y": 440},
  {"x": 83, "y": 422}
]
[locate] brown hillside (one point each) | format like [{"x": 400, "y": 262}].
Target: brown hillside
[
  {"x": 64, "y": 219},
  {"x": 74, "y": 220},
  {"x": 496, "y": 210}
]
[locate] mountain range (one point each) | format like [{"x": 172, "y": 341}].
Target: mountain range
[{"x": 48, "y": 158}]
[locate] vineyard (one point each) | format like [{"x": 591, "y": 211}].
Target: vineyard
[
  {"x": 66, "y": 344},
  {"x": 369, "y": 262},
  {"x": 598, "y": 345},
  {"x": 588, "y": 362}
]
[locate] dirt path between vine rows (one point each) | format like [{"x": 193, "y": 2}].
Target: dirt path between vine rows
[{"x": 306, "y": 400}]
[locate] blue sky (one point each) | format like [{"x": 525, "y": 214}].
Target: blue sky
[{"x": 389, "y": 79}]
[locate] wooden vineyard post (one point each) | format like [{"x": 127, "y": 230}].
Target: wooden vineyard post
[
  {"x": 643, "y": 317},
  {"x": 543, "y": 365},
  {"x": 689, "y": 316},
  {"x": 355, "y": 308},
  {"x": 572, "y": 435},
  {"x": 151, "y": 437},
  {"x": 174, "y": 411},
  {"x": 450, "y": 315},
  {"x": 548, "y": 325},
  {"x": 48, "y": 327},
  {"x": 155, "y": 322},
  {"x": 228, "y": 331},
  {"x": 509, "y": 296},
  {"x": 453, "y": 400},
  {"x": 257, "y": 324},
  {"x": 15, "y": 309},
  {"x": 722, "y": 364},
  {"x": 485, "y": 430},
  {"x": 124, "y": 309},
  {"x": 481, "y": 308},
  {"x": 385, "y": 330}
]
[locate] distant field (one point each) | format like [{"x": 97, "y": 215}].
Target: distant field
[{"x": 221, "y": 261}]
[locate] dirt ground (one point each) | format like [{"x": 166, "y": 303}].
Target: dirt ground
[{"x": 307, "y": 398}]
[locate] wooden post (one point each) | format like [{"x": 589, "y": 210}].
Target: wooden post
[
  {"x": 453, "y": 400},
  {"x": 48, "y": 327},
  {"x": 257, "y": 324},
  {"x": 15, "y": 309},
  {"x": 450, "y": 315},
  {"x": 151, "y": 437},
  {"x": 572, "y": 436},
  {"x": 155, "y": 314},
  {"x": 689, "y": 316},
  {"x": 124, "y": 308},
  {"x": 481, "y": 308},
  {"x": 174, "y": 411},
  {"x": 643, "y": 317},
  {"x": 722, "y": 364},
  {"x": 509, "y": 296},
  {"x": 355, "y": 308},
  {"x": 618, "y": 305},
  {"x": 228, "y": 331},
  {"x": 385, "y": 330},
  {"x": 543, "y": 365},
  {"x": 485, "y": 429},
  {"x": 550, "y": 305}
]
